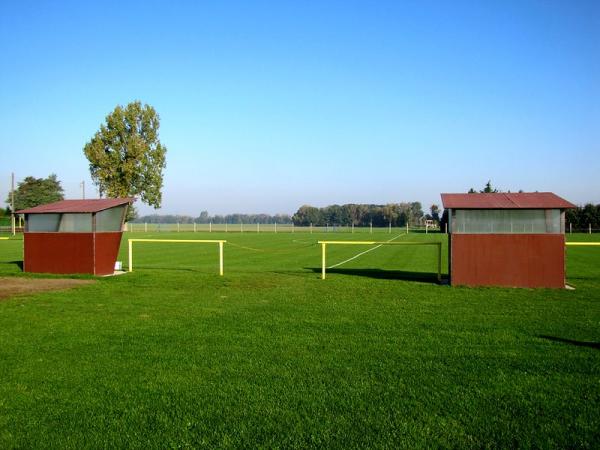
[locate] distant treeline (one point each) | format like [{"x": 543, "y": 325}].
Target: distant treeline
[
  {"x": 582, "y": 216},
  {"x": 204, "y": 217},
  {"x": 398, "y": 214}
]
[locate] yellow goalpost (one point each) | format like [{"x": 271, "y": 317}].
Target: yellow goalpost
[
  {"x": 324, "y": 245},
  {"x": 197, "y": 241}
]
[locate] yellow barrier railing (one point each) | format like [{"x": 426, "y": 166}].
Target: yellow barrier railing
[
  {"x": 200, "y": 241},
  {"x": 583, "y": 244},
  {"x": 3, "y": 238},
  {"x": 324, "y": 245}
]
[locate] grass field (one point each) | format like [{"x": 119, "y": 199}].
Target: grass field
[{"x": 270, "y": 355}]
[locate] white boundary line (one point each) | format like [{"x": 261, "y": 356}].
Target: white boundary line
[{"x": 362, "y": 253}]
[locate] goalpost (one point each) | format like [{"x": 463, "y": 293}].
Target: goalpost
[
  {"x": 197, "y": 241},
  {"x": 324, "y": 245}
]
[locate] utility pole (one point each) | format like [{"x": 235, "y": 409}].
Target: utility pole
[{"x": 12, "y": 203}]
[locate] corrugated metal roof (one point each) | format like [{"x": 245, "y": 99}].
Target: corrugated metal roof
[
  {"x": 506, "y": 200},
  {"x": 77, "y": 206}
]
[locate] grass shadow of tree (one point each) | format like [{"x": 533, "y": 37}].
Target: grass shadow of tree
[
  {"x": 381, "y": 274},
  {"x": 19, "y": 264},
  {"x": 595, "y": 345}
]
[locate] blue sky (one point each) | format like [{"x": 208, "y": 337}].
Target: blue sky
[{"x": 266, "y": 106}]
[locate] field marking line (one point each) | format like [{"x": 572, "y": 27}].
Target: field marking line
[{"x": 362, "y": 253}]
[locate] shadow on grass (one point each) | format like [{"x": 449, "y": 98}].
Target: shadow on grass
[
  {"x": 19, "y": 264},
  {"x": 595, "y": 345},
  {"x": 425, "y": 277}
]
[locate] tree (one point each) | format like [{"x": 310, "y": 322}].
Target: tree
[
  {"x": 435, "y": 212},
  {"x": 488, "y": 189},
  {"x": 126, "y": 157},
  {"x": 36, "y": 191}
]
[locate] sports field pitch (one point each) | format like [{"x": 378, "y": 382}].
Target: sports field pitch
[{"x": 269, "y": 355}]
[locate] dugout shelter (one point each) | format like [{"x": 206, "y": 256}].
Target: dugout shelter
[
  {"x": 506, "y": 239},
  {"x": 74, "y": 236}
]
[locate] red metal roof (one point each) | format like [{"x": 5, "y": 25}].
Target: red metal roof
[
  {"x": 77, "y": 206},
  {"x": 506, "y": 200}
]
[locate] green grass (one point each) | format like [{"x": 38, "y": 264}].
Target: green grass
[{"x": 172, "y": 355}]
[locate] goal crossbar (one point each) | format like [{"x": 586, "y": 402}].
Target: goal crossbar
[
  {"x": 324, "y": 245},
  {"x": 196, "y": 241},
  {"x": 583, "y": 244}
]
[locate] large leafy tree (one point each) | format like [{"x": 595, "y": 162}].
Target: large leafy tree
[
  {"x": 36, "y": 191},
  {"x": 126, "y": 157}
]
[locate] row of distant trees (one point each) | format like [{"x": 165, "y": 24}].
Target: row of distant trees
[
  {"x": 583, "y": 216},
  {"x": 396, "y": 214},
  {"x": 204, "y": 217},
  {"x": 36, "y": 191}
]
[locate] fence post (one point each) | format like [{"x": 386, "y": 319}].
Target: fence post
[
  {"x": 225, "y": 227},
  {"x": 221, "y": 258},
  {"x": 275, "y": 227},
  {"x": 323, "y": 250},
  {"x": 390, "y": 228},
  {"x": 145, "y": 227},
  {"x": 194, "y": 227},
  {"x": 570, "y": 228},
  {"x": 178, "y": 227},
  {"x": 352, "y": 227},
  {"x": 130, "y": 264},
  {"x": 371, "y": 227},
  {"x": 210, "y": 227},
  {"x": 590, "y": 228},
  {"x": 311, "y": 228}
]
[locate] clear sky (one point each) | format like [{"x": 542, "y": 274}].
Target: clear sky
[{"x": 266, "y": 106}]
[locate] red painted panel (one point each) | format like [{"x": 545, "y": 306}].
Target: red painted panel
[
  {"x": 58, "y": 252},
  {"x": 519, "y": 260},
  {"x": 92, "y": 253},
  {"x": 107, "y": 248}
]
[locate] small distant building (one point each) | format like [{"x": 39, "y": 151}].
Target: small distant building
[
  {"x": 74, "y": 236},
  {"x": 506, "y": 239}
]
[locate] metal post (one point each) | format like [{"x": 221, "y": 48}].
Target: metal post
[
  {"x": 241, "y": 227},
  {"x": 178, "y": 227},
  {"x": 371, "y": 227},
  {"x": 221, "y": 258},
  {"x": 194, "y": 227},
  {"x": 292, "y": 227},
  {"x": 570, "y": 228},
  {"x": 257, "y": 227},
  {"x": 210, "y": 227},
  {"x": 390, "y": 228},
  {"x": 407, "y": 227},
  {"x": 323, "y": 251},
  {"x": 590, "y": 228},
  {"x": 275, "y": 227},
  {"x": 145, "y": 227},
  {"x": 439, "y": 276},
  {"x": 225, "y": 227},
  {"x": 352, "y": 227},
  {"x": 311, "y": 228},
  {"x": 12, "y": 203},
  {"x": 130, "y": 255}
]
